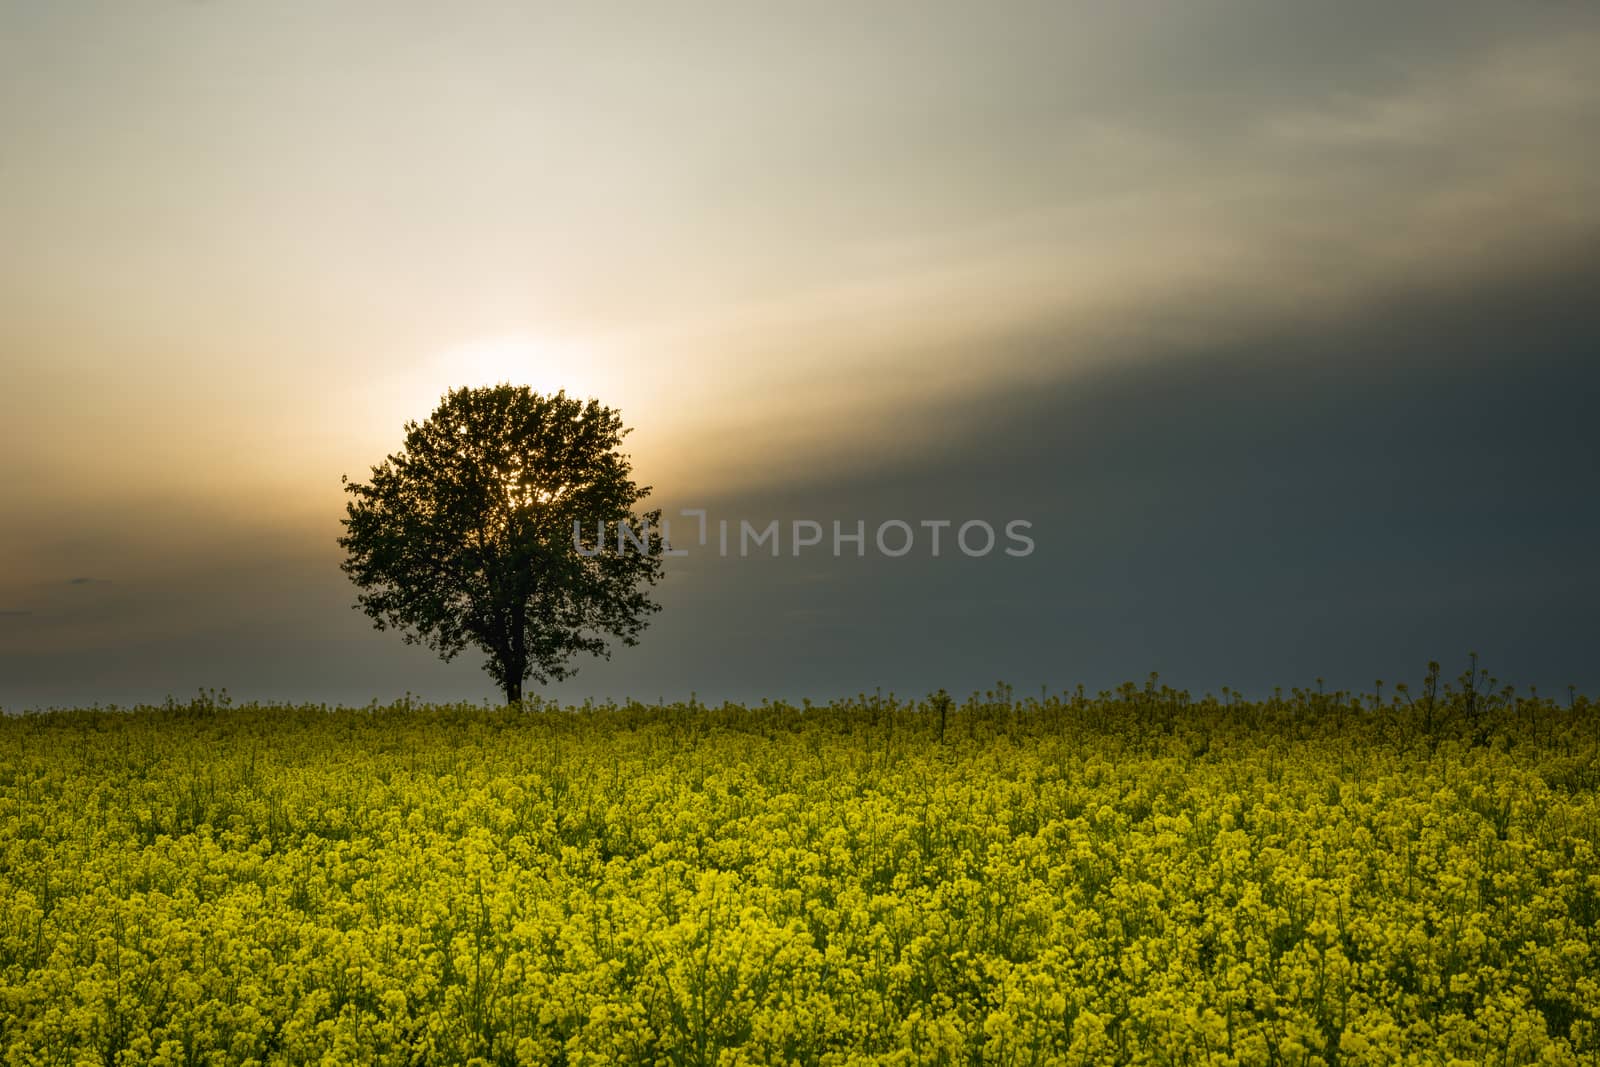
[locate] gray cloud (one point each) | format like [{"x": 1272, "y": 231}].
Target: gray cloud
[{"x": 1411, "y": 482}]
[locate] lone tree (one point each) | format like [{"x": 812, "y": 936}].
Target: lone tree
[{"x": 497, "y": 524}]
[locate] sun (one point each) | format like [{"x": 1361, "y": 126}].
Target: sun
[
  {"x": 542, "y": 365},
  {"x": 545, "y": 364}
]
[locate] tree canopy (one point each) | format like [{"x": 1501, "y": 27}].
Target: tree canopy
[{"x": 496, "y": 525}]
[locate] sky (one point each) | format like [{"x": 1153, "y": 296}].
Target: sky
[{"x": 1275, "y": 322}]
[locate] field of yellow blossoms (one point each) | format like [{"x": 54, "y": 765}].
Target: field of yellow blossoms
[{"x": 1138, "y": 877}]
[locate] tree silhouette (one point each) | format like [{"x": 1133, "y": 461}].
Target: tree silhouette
[{"x": 497, "y": 525}]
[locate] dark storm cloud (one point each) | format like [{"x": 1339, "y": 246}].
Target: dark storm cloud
[{"x": 1414, "y": 481}]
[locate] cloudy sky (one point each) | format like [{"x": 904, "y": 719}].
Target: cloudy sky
[{"x": 1276, "y": 321}]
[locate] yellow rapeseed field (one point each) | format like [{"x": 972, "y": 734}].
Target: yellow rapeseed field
[{"x": 1137, "y": 877}]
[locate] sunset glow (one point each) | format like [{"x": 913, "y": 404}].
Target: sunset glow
[{"x": 1189, "y": 286}]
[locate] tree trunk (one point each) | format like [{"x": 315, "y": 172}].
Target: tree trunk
[{"x": 517, "y": 660}]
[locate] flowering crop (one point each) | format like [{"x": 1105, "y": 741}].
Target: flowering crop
[{"x": 1138, "y": 877}]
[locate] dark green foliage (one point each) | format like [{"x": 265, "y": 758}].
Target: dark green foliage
[{"x": 469, "y": 534}]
